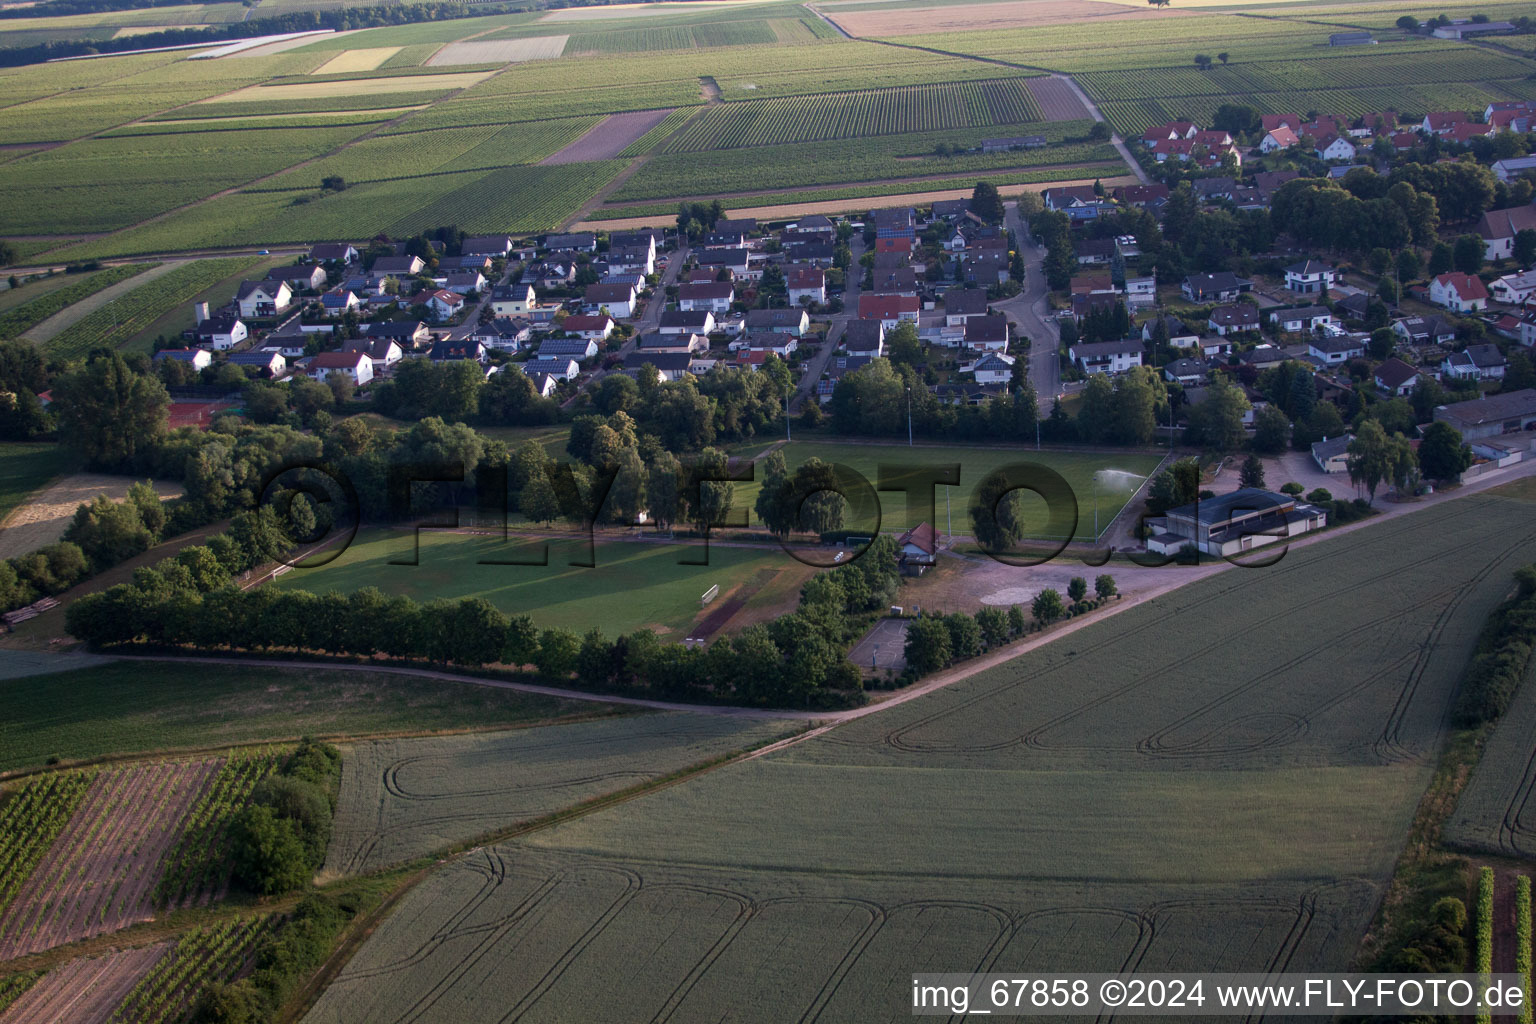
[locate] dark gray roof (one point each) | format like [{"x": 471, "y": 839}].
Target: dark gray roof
[
  {"x": 1492, "y": 407},
  {"x": 1225, "y": 506},
  {"x": 862, "y": 335},
  {"x": 965, "y": 301},
  {"x": 690, "y": 319},
  {"x": 1329, "y": 447}
]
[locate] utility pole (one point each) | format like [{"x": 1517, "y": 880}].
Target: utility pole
[
  {"x": 787, "y": 438},
  {"x": 909, "y": 416}
]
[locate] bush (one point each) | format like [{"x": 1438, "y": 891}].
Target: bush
[
  {"x": 1294, "y": 489},
  {"x": 279, "y": 841},
  {"x": 1485, "y": 931},
  {"x": 1503, "y": 652},
  {"x": 1320, "y": 496}
]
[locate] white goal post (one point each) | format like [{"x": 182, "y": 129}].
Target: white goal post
[{"x": 710, "y": 594}]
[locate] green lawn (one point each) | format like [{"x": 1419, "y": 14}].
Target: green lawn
[
  {"x": 132, "y": 707},
  {"x": 24, "y": 467},
  {"x": 633, "y": 585},
  {"x": 1078, "y": 468}
]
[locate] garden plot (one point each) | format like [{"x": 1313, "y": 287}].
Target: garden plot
[
  {"x": 100, "y": 874},
  {"x": 404, "y": 798},
  {"x": 499, "y": 51}
]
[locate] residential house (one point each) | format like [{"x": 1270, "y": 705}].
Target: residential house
[
  {"x": 1233, "y": 523},
  {"x": 1509, "y": 169},
  {"x": 781, "y": 345},
  {"x": 1309, "y": 277},
  {"x": 300, "y": 277},
  {"x": 1179, "y": 334},
  {"x": 594, "y": 327},
  {"x": 1396, "y": 378},
  {"x": 263, "y": 298},
  {"x": 617, "y": 299},
  {"x": 1332, "y": 453},
  {"x": 462, "y": 282},
  {"x": 384, "y": 352},
  {"x": 1303, "y": 318},
  {"x": 487, "y": 245},
  {"x": 1185, "y": 371},
  {"x": 221, "y": 332},
  {"x": 513, "y": 299},
  {"x": 1277, "y": 139},
  {"x": 1141, "y": 292},
  {"x": 1084, "y": 305},
  {"x": 896, "y": 281},
  {"x": 896, "y": 229},
  {"x": 580, "y": 241},
  {"x": 960, "y": 304},
  {"x": 505, "y": 334},
  {"x": 658, "y": 342},
  {"x": 992, "y": 368},
  {"x": 333, "y": 252},
  {"x": 1262, "y": 357},
  {"x": 340, "y": 301},
  {"x": 683, "y": 321},
  {"x": 1442, "y": 122},
  {"x": 1498, "y": 229},
  {"x": 1515, "y": 289},
  {"x": 1491, "y": 415},
  {"x": 355, "y": 366},
  {"x": 1209, "y": 190},
  {"x": 441, "y": 303},
  {"x": 1464, "y": 133},
  {"x": 1477, "y": 362},
  {"x": 1423, "y": 330},
  {"x": 411, "y": 334},
  {"x": 1065, "y": 197},
  {"x": 1462, "y": 293},
  {"x": 1111, "y": 357},
  {"x": 457, "y": 350},
  {"x": 1335, "y": 147},
  {"x": 1094, "y": 250},
  {"x": 806, "y": 284},
  {"x": 737, "y": 261},
  {"x": 865, "y": 338},
  {"x": 198, "y": 357},
  {"x": 987, "y": 333},
  {"x": 1219, "y": 287},
  {"x": 715, "y": 296},
  {"x": 1171, "y": 130},
  {"x": 1336, "y": 349},
  {"x": 271, "y": 364},
  {"x": 794, "y": 322},
  {"x": 556, "y": 367},
  {"x": 669, "y": 365},
  {"x": 984, "y": 267},
  {"x": 889, "y": 309},
  {"x": 1142, "y": 196},
  {"x": 578, "y": 348},
  {"x": 397, "y": 266},
  {"x": 548, "y": 274},
  {"x": 808, "y": 253}
]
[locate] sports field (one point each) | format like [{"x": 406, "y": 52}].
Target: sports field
[
  {"x": 1083, "y": 471},
  {"x": 1137, "y": 796},
  {"x": 633, "y": 585}
]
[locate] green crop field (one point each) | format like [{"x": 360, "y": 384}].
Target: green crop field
[
  {"x": 922, "y": 108},
  {"x": 126, "y": 708},
  {"x": 402, "y": 799},
  {"x": 1133, "y": 797},
  {"x": 632, "y": 586},
  {"x": 1497, "y": 811},
  {"x": 1078, "y": 468},
  {"x": 129, "y": 314}
]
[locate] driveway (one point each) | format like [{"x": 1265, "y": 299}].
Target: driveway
[{"x": 1029, "y": 313}]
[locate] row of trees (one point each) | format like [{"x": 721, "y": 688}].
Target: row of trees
[
  {"x": 278, "y": 841},
  {"x": 935, "y": 642}
]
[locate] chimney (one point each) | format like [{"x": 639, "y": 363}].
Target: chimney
[{"x": 199, "y": 312}]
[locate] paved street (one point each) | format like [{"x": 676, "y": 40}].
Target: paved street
[
  {"x": 1029, "y": 313},
  {"x": 819, "y": 362}
]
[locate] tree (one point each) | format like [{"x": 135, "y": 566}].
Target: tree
[
  {"x": 1370, "y": 457},
  {"x": 268, "y": 852},
  {"x": 538, "y": 501},
  {"x": 1271, "y": 430},
  {"x": 1408, "y": 23},
  {"x": 1222, "y": 57},
  {"x": 1104, "y": 586},
  {"x": 1047, "y": 606},
  {"x": 107, "y": 412},
  {"x": 556, "y": 656},
  {"x": 927, "y": 646},
  {"x": 1409, "y": 264},
  {"x": 1525, "y": 247},
  {"x": 1252, "y": 473},
  {"x": 1442, "y": 455},
  {"x": 1203, "y": 61},
  {"x": 1077, "y": 589},
  {"x": 986, "y": 203},
  {"x": 1219, "y": 418},
  {"x": 1467, "y": 254},
  {"x": 1441, "y": 259}
]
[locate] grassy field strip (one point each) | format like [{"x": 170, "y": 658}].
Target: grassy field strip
[
  {"x": 123, "y": 317},
  {"x": 29, "y": 313},
  {"x": 49, "y": 327},
  {"x": 25, "y": 467}
]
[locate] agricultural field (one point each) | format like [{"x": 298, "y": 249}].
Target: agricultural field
[
  {"x": 198, "y": 868},
  {"x": 101, "y": 871},
  {"x": 86, "y": 990},
  {"x": 128, "y": 708},
  {"x": 1497, "y": 811},
  {"x": 924, "y": 108},
  {"x": 24, "y": 467},
  {"x": 634, "y": 585},
  {"x": 40, "y": 300},
  {"x": 1083, "y": 778},
  {"x": 203, "y": 956},
  {"x": 403, "y": 799},
  {"x": 124, "y": 317}
]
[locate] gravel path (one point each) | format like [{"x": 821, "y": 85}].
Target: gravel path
[{"x": 68, "y": 317}]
